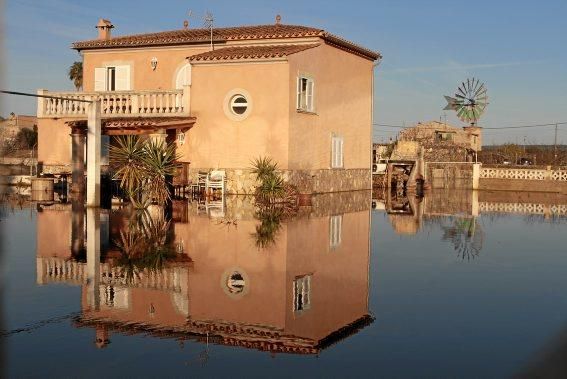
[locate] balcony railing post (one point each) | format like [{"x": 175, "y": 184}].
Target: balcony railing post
[{"x": 41, "y": 103}]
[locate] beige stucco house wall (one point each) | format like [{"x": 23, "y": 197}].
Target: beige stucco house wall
[{"x": 324, "y": 149}]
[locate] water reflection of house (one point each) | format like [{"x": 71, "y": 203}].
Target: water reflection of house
[{"x": 299, "y": 295}]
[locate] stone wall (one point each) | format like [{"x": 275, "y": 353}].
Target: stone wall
[
  {"x": 449, "y": 175},
  {"x": 242, "y": 207},
  {"x": 243, "y": 181}
]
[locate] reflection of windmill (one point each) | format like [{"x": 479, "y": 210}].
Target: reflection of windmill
[
  {"x": 467, "y": 237},
  {"x": 469, "y": 102}
]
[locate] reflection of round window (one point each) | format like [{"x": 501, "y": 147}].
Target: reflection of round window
[
  {"x": 238, "y": 104},
  {"x": 235, "y": 283}
]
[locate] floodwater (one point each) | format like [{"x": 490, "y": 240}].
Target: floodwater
[{"x": 452, "y": 285}]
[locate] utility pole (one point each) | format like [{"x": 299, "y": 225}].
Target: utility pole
[{"x": 555, "y": 146}]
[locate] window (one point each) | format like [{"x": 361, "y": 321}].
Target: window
[
  {"x": 235, "y": 283},
  {"x": 302, "y": 293},
  {"x": 180, "y": 137},
  {"x": 112, "y": 78},
  {"x": 238, "y": 105},
  {"x": 337, "y": 152},
  {"x": 305, "y": 87},
  {"x": 442, "y": 136},
  {"x": 335, "y": 231}
]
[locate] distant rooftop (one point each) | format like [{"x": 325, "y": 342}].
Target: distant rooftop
[{"x": 221, "y": 35}]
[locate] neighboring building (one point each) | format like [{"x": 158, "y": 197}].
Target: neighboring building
[
  {"x": 10, "y": 127},
  {"x": 443, "y": 142},
  {"x": 298, "y": 94}
]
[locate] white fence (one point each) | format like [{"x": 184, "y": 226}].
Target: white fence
[
  {"x": 525, "y": 208},
  {"x": 114, "y": 103},
  {"x": 522, "y": 173}
]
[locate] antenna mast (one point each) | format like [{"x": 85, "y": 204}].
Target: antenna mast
[{"x": 209, "y": 21}]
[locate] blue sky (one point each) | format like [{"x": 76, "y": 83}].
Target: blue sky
[{"x": 516, "y": 47}]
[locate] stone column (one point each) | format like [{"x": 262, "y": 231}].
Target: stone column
[
  {"x": 93, "y": 154},
  {"x": 78, "y": 136},
  {"x": 93, "y": 258},
  {"x": 476, "y": 176},
  {"x": 78, "y": 225}
]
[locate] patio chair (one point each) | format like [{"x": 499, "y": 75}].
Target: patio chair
[
  {"x": 215, "y": 180},
  {"x": 197, "y": 189}
]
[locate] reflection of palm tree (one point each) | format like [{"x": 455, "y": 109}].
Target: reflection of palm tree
[
  {"x": 466, "y": 236},
  {"x": 145, "y": 245}
]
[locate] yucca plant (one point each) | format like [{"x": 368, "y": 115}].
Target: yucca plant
[
  {"x": 264, "y": 167},
  {"x": 143, "y": 168}
]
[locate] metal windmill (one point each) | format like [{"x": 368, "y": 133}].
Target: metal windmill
[{"x": 469, "y": 102}]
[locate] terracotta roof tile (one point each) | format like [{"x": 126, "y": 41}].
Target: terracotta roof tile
[
  {"x": 251, "y": 52},
  {"x": 221, "y": 35},
  {"x": 187, "y": 36}
]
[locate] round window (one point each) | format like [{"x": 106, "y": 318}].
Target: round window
[
  {"x": 235, "y": 282},
  {"x": 238, "y": 104}
]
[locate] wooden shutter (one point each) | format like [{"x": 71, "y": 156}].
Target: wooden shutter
[
  {"x": 309, "y": 95},
  {"x": 341, "y": 157},
  {"x": 100, "y": 79},
  {"x": 298, "y": 92},
  {"x": 122, "y": 78},
  {"x": 183, "y": 77}
]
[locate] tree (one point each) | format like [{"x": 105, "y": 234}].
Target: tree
[
  {"x": 76, "y": 74},
  {"x": 143, "y": 168}
]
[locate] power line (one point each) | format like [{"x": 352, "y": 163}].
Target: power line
[{"x": 484, "y": 128}]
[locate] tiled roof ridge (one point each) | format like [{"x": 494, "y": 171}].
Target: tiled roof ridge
[
  {"x": 307, "y": 32},
  {"x": 252, "y": 52},
  {"x": 223, "y": 34}
]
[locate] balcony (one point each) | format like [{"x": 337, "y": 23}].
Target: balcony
[{"x": 115, "y": 104}]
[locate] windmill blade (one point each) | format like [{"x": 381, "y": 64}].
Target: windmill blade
[
  {"x": 460, "y": 96},
  {"x": 475, "y": 88},
  {"x": 478, "y": 91},
  {"x": 461, "y": 89},
  {"x": 468, "y": 87}
]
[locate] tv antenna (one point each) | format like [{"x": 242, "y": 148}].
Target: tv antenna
[
  {"x": 209, "y": 23},
  {"x": 186, "y": 22}
]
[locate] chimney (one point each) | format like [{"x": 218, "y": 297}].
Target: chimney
[{"x": 104, "y": 27}]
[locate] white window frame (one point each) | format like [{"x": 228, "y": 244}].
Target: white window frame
[
  {"x": 305, "y": 99},
  {"x": 335, "y": 231},
  {"x": 301, "y": 294},
  {"x": 337, "y": 151},
  {"x": 104, "y": 80},
  {"x": 180, "y": 137}
]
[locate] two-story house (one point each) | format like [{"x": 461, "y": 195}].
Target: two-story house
[{"x": 298, "y": 94}]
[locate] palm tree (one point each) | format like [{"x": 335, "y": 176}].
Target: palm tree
[
  {"x": 143, "y": 168},
  {"x": 76, "y": 74}
]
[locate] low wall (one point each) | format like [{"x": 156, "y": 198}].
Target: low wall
[
  {"x": 523, "y": 179},
  {"x": 243, "y": 181},
  {"x": 449, "y": 175}
]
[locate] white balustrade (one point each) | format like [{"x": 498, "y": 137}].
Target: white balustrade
[
  {"x": 512, "y": 173},
  {"x": 526, "y": 208},
  {"x": 559, "y": 175},
  {"x": 72, "y": 272},
  {"x": 114, "y": 103}
]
